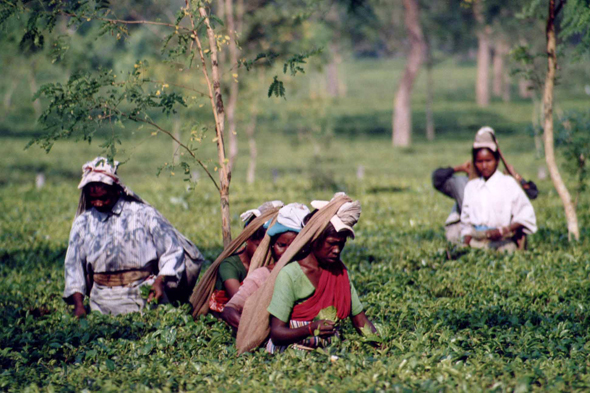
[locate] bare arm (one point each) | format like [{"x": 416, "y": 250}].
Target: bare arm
[
  {"x": 282, "y": 334},
  {"x": 78, "y": 300},
  {"x": 232, "y": 286},
  {"x": 231, "y": 316}
]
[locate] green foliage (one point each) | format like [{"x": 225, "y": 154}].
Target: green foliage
[
  {"x": 475, "y": 321},
  {"x": 277, "y": 88},
  {"x": 576, "y": 23},
  {"x": 573, "y": 137},
  {"x": 329, "y": 314}
]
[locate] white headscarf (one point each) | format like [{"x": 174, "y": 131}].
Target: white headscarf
[
  {"x": 290, "y": 218},
  {"x": 248, "y": 214},
  {"x": 347, "y": 216}
]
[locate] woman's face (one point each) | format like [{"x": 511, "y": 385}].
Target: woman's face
[
  {"x": 101, "y": 196},
  {"x": 328, "y": 252},
  {"x": 282, "y": 243},
  {"x": 486, "y": 163},
  {"x": 251, "y": 246}
]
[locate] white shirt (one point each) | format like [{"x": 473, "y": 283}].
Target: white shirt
[
  {"x": 129, "y": 237},
  {"x": 495, "y": 203}
]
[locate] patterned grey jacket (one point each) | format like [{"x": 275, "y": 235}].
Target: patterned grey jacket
[{"x": 132, "y": 235}]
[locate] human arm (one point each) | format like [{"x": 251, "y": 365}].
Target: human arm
[
  {"x": 231, "y": 286},
  {"x": 75, "y": 277},
  {"x": 452, "y": 186},
  {"x": 169, "y": 252},
  {"x": 231, "y": 316},
  {"x": 523, "y": 213},
  {"x": 500, "y": 233},
  {"x": 282, "y": 334},
  {"x": 466, "y": 216},
  {"x": 360, "y": 320},
  {"x": 529, "y": 187},
  {"x": 78, "y": 301}
]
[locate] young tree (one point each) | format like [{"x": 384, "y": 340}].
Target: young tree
[
  {"x": 570, "y": 19},
  {"x": 548, "y": 99},
  {"x": 402, "y": 111},
  {"x": 91, "y": 101},
  {"x": 88, "y": 102}
]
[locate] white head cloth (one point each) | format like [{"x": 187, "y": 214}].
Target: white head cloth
[
  {"x": 346, "y": 217},
  {"x": 485, "y": 138},
  {"x": 99, "y": 171},
  {"x": 248, "y": 214},
  {"x": 292, "y": 215}
]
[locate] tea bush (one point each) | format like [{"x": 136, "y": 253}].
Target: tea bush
[{"x": 449, "y": 319}]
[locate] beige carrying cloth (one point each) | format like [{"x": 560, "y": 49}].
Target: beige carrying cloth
[
  {"x": 262, "y": 256},
  {"x": 253, "y": 328},
  {"x": 200, "y": 297}
]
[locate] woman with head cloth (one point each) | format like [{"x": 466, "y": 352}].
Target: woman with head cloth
[
  {"x": 234, "y": 269},
  {"x": 315, "y": 282},
  {"x": 445, "y": 181},
  {"x": 288, "y": 224},
  {"x": 496, "y": 212}
]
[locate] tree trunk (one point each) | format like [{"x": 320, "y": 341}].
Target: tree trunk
[
  {"x": 332, "y": 77},
  {"x": 501, "y": 87},
  {"x": 233, "y": 91},
  {"x": 482, "y": 90},
  {"x": 430, "y": 131},
  {"x": 220, "y": 12},
  {"x": 8, "y": 97},
  {"x": 214, "y": 86},
  {"x": 251, "y": 130},
  {"x": 570, "y": 211},
  {"x": 402, "y": 111},
  {"x": 506, "y": 92},
  {"x": 498, "y": 65},
  {"x": 33, "y": 85}
]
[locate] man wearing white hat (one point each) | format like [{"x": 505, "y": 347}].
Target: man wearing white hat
[
  {"x": 443, "y": 180},
  {"x": 118, "y": 244}
]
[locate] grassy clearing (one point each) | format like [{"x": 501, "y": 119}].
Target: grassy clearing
[{"x": 451, "y": 320}]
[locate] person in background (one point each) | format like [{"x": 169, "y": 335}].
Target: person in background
[
  {"x": 443, "y": 180},
  {"x": 118, "y": 244},
  {"x": 496, "y": 213},
  {"x": 288, "y": 224}
]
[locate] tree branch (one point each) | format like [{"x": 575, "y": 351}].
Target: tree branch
[
  {"x": 125, "y": 22},
  {"x": 179, "y": 86},
  {"x": 156, "y": 126},
  {"x": 559, "y": 7}
]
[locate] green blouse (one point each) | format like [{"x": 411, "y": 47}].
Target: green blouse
[
  {"x": 293, "y": 287},
  {"x": 232, "y": 267}
]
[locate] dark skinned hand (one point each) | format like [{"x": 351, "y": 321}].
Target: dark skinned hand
[
  {"x": 79, "y": 311},
  {"x": 157, "y": 291},
  {"x": 78, "y": 300},
  {"x": 493, "y": 234},
  {"x": 327, "y": 328}
]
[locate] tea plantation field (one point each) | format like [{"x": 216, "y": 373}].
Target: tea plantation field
[{"x": 449, "y": 319}]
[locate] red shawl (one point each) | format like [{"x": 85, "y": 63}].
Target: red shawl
[{"x": 332, "y": 290}]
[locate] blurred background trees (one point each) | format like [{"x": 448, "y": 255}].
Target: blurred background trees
[{"x": 297, "y": 69}]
